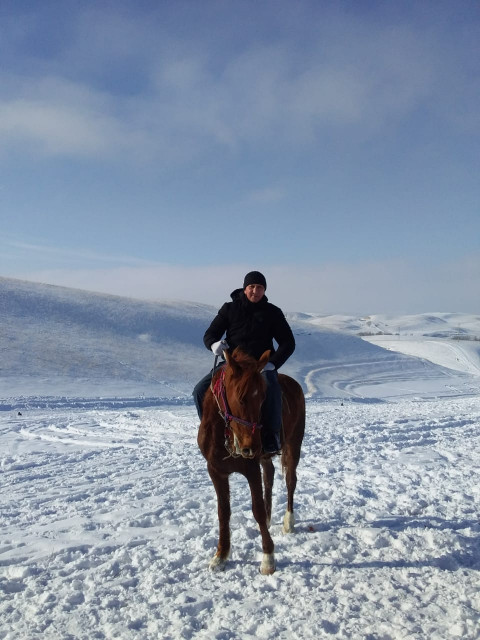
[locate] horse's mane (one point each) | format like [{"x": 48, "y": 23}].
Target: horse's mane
[
  {"x": 244, "y": 360},
  {"x": 248, "y": 366}
]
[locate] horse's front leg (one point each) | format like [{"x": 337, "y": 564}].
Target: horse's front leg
[
  {"x": 268, "y": 476},
  {"x": 254, "y": 478},
  {"x": 222, "y": 489}
]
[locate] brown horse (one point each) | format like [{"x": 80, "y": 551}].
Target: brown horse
[{"x": 230, "y": 440}]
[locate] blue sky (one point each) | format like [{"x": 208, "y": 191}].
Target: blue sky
[{"x": 162, "y": 149}]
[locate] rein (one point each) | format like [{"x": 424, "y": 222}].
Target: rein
[{"x": 218, "y": 390}]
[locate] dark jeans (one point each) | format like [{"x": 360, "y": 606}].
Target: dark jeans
[
  {"x": 271, "y": 409},
  {"x": 200, "y": 390}
]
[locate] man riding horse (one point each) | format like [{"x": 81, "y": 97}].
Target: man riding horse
[{"x": 252, "y": 323}]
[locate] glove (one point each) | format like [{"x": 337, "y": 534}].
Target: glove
[
  {"x": 219, "y": 347},
  {"x": 268, "y": 367}
]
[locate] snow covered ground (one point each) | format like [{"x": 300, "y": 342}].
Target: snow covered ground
[
  {"x": 108, "y": 522},
  {"x": 108, "y": 517}
]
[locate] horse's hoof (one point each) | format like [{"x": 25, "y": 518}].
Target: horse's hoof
[
  {"x": 217, "y": 563},
  {"x": 289, "y": 522},
  {"x": 268, "y": 564}
]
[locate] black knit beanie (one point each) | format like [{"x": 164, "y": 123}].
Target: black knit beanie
[{"x": 254, "y": 277}]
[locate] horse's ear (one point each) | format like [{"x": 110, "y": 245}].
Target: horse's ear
[
  {"x": 264, "y": 358},
  {"x": 231, "y": 362}
]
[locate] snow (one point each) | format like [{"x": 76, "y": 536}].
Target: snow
[
  {"x": 108, "y": 517},
  {"x": 458, "y": 355}
]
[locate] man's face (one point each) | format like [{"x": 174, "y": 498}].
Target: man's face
[{"x": 255, "y": 292}]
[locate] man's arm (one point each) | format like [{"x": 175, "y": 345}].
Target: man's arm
[
  {"x": 283, "y": 335},
  {"x": 217, "y": 328}
]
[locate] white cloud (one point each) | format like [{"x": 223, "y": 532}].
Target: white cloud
[
  {"x": 266, "y": 195},
  {"x": 49, "y": 254},
  {"x": 54, "y": 129},
  {"x": 354, "y": 75},
  {"x": 54, "y": 116}
]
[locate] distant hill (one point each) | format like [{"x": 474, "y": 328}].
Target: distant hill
[
  {"x": 53, "y": 333},
  {"x": 428, "y": 325},
  {"x": 55, "y": 340}
]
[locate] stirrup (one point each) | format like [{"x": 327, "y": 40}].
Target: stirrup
[
  {"x": 275, "y": 449},
  {"x": 276, "y": 452}
]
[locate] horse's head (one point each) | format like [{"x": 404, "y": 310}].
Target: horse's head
[{"x": 245, "y": 390}]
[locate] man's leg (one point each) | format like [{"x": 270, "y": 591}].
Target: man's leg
[
  {"x": 199, "y": 392},
  {"x": 272, "y": 413}
]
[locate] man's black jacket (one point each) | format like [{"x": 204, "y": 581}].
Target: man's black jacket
[{"x": 252, "y": 326}]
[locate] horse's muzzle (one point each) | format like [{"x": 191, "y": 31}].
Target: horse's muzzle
[{"x": 245, "y": 451}]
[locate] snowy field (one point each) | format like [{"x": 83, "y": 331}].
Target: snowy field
[
  {"x": 108, "y": 522},
  {"x": 108, "y": 517}
]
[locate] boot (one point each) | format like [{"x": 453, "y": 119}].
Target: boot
[{"x": 271, "y": 442}]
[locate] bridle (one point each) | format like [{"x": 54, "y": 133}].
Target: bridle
[{"x": 218, "y": 390}]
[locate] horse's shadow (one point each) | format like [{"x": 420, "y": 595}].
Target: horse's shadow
[{"x": 466, "y": 555}]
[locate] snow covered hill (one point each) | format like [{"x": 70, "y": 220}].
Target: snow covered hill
[
  {"x": 85, "y": 343},
  {"x": 108, "y": 516},
  {"x": 451, "y": 340},
  {"x": 82, "y": 344},
  {"x": 434, "y": 325}
]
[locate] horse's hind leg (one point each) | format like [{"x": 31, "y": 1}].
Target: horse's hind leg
[
  {"x": 290, "y": 460},
  {"x": 268, "y": 476},
  {"x": 222, "y": 490}
]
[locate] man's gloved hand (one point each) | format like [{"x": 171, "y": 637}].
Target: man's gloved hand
[
  {"x": 219, "y": 347},
  {"x": 268, "y": 367}
]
